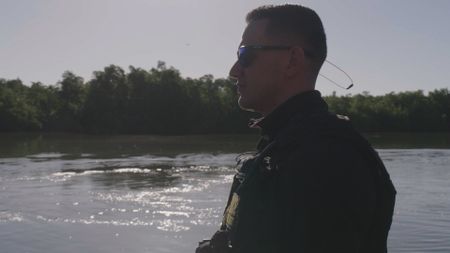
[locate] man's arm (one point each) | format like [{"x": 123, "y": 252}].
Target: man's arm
[{"x": 327, "y": 198}]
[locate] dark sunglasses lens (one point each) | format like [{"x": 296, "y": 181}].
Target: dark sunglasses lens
[{"x": 244, "y": 57}]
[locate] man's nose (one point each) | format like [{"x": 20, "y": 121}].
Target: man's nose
[{"x": 235, "y": 71}]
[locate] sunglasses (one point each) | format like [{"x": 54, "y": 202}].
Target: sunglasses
[{"x": 246, "y": 54}]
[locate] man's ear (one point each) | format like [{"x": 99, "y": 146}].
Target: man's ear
[{"x": 296, "y": 62}]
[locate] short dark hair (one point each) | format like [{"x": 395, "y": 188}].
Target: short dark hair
[{"x": 297, "y": 21}]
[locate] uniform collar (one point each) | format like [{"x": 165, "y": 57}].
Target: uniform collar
[{"x": 305, "y": 103}]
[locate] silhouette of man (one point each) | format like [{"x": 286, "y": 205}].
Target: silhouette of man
[{"x": 314, "y": 184}]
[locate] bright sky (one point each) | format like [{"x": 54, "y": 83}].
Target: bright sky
[{"x": 385, "y": 45}]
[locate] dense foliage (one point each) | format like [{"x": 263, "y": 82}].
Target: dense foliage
[{"x": 160, "y": 101}]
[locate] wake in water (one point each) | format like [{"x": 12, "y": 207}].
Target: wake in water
[{"x": 170, "y": 194}]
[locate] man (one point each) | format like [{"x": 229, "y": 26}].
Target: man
[{"x": 314, "y": 184}]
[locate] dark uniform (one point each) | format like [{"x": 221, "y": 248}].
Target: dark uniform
[{"x": 314, "y": 185}]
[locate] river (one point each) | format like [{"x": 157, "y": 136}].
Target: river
[{"x": 80, "y": 193}]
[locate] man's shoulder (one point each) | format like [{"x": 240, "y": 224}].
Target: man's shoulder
[
  {"x": 316, "y": 128},
  {"x": 319, "y": 139}
]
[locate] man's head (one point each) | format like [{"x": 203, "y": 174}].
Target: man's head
[{"x": 280, "y": 55}]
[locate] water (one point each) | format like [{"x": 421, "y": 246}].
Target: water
[{"x": 69, "y": 193}]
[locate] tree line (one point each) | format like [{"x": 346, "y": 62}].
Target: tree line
[{"x": 160, "y": 101}]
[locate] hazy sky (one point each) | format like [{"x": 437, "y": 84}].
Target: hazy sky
[{"x": 384, "y": 45}]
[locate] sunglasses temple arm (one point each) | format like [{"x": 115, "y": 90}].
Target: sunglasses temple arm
[{"x": 345, "y": 73}]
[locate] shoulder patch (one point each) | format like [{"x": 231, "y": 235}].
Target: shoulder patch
[{"x": 230, "y": 212}]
